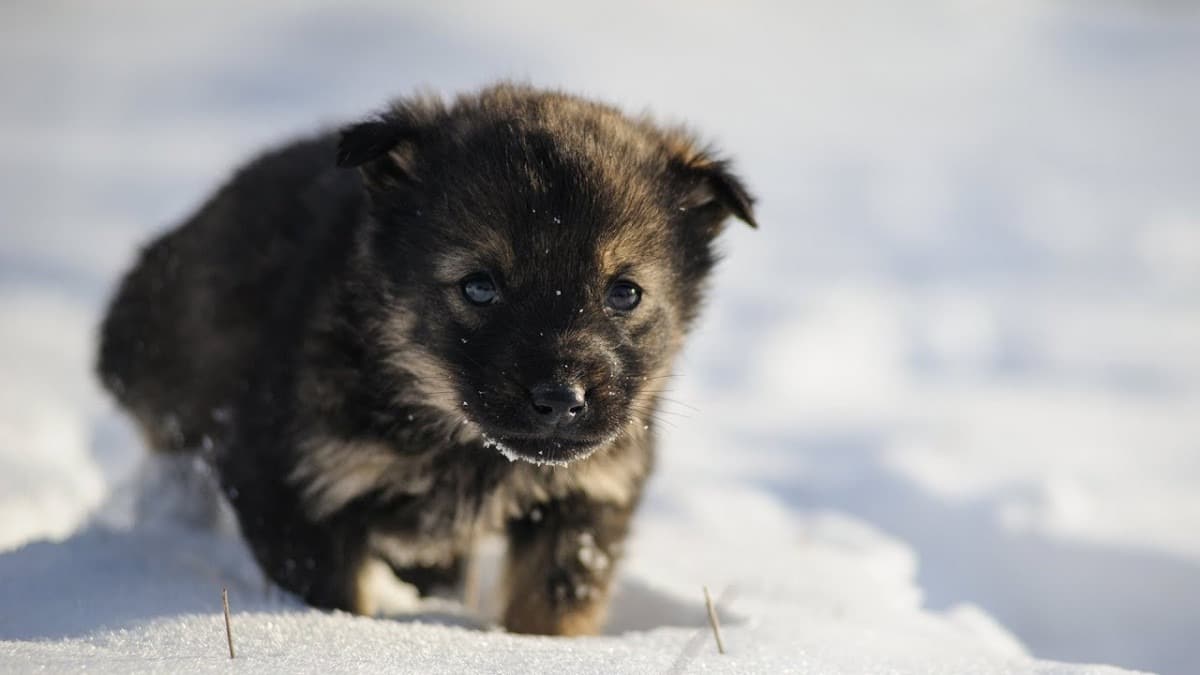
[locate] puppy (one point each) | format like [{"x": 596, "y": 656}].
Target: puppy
[{"x": 466, "y": 335}]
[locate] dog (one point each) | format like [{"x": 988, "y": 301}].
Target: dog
[{"x": 452, "y": 319}]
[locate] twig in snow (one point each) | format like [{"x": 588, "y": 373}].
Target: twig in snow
[
  {"x": 228, "y": 625},
  {"x": 692, "y": 648},
  {"x": 712, "y": 620}
]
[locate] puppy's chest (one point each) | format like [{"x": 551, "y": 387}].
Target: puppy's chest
[{"x": 426, "y": 506}]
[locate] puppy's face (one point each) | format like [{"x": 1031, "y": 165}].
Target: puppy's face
[{"x": 541, "y": 259}]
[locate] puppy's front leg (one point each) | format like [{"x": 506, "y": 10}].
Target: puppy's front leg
[
  {"x": 322, "y": 563},
  {"x": 560, "y": 564}
]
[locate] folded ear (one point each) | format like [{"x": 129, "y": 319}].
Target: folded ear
[
  {"x": 712, "y": 185},
  {"x": 383, "y": 150}
]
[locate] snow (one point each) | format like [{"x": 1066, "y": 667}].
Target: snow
[
  {"x": 139, "y": 591},
  {"x": 509, "y": 453},
  {"x": 512, "y": 455},
  {"x": 941, "y": 414}
]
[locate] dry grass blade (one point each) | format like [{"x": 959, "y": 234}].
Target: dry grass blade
[
  {"x": 712, "y": 620},
  {"x": 228, "y": 624}
]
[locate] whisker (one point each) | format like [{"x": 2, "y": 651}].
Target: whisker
[
  {"x": 644, "y": 414},
  {"x": 655, "y": 378},
  {"x": 659, "y": 411},
  {"x": 673, "y": 401},
  {"x": 656, "y": 420}
]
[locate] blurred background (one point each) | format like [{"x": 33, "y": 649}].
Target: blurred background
[{"x": 971, "y": 316}]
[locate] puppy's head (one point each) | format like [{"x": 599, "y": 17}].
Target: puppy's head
[{"x": 538, "y": 258}]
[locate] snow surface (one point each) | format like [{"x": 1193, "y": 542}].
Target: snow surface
[
  {"x": 139, "y": 591},
  {"x": 954, "y": 376}
]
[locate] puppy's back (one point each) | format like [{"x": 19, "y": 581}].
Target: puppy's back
[{"x": 207, "y": 302}]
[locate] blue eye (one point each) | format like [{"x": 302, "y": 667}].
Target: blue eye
[
  {"x": 624, "y": 296},
  {"x": 480, "y": 289}
]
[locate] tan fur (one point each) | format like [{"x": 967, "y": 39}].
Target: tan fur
[
  {"x": 334, "y": 472},
  {"x": 420, "y": 551},
  {"x": 428, "y": 371},
  {"x": 531, "y": 606},
  {"x": 379, "y": 592},
  {"x": 489, "y": 250}
]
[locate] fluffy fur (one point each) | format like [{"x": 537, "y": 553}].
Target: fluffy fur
[{"x": 310, "y": 331}]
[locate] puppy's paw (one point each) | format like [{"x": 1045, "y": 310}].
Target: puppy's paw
[{"x": 382, "y": 593}]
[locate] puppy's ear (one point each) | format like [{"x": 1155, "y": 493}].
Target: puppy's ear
[
  {"x": 712, "y": 186},
  {"x": 384, "y": 151}
]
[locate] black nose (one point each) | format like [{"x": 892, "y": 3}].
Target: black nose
[{"x": 556, "y": 404}]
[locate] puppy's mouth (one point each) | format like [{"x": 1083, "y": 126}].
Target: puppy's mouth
[
  {"x": 548, "y": 424},
  {"x": 545, "y": 449}
]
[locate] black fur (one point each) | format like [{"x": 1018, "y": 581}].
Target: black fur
[{"x": 308, "y": 331}]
